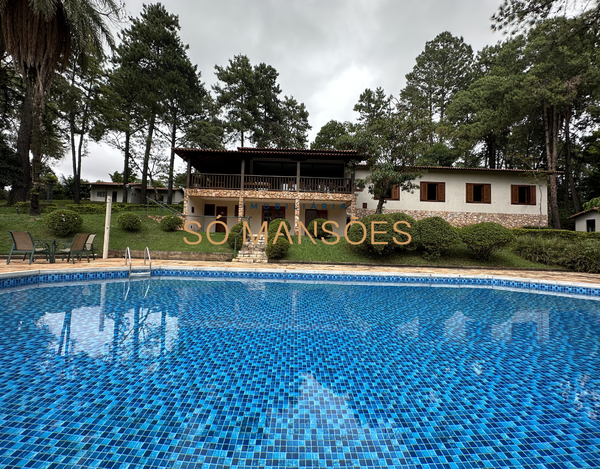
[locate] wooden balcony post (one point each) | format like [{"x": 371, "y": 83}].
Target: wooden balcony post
[
  {"x": 243, "y": 171},
  {"x": 189, "y": 175},
  {"x": 352, "y": 182},
  {"x": 297, "y": 176}
]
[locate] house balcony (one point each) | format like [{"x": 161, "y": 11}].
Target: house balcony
[{"x": 253, "y": 182}]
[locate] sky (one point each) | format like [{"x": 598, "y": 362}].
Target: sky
[{"x": 327, "y": 52}]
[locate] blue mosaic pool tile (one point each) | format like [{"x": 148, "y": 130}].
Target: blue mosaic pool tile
[{"x": 260, "y": 373}]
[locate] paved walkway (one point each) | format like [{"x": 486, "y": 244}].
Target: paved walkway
[{"x": 574, "y": 277}]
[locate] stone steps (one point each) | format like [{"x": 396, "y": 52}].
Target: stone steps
[{"x": 253, "y": 253}]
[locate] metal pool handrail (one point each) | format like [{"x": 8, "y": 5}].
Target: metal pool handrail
[
  {"x": 128, "y": 255},
  {"x": 147, "y": 251}
]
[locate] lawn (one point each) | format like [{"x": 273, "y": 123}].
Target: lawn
[
  {"x": 459, "y": 256},
  {"x": 150, "y": 235},
  {"x": 156, "y": 239}
]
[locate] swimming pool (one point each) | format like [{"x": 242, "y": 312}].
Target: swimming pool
[{"x": 212, "y": 372}]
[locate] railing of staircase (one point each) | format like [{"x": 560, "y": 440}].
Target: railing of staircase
[
  {"x": 161, "y": 206},
  {"x": 235, "y": 238}
]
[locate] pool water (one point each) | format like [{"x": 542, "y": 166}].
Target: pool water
[{"x": 179, "y": 373}]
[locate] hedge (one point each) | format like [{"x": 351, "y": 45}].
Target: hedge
[{"x": 486, "y": 238}]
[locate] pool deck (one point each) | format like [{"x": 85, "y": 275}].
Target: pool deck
[{"x": 549, "y": 276}]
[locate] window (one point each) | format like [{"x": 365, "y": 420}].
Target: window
[
  {"x": 479, "y": 193},
  {"x": 433, "y": 191},
  {"x": 209, "y": 210},
  {"x": 101, "y": 194},
  {"x": 393, "y": 193},
  {"x": 590, "y": 226},
  {"x": 522, "y": 195}
]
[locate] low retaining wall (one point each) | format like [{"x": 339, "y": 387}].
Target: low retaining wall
[
  {"x": 174, "y": 255},
  {"x": 510, "y": 220}
]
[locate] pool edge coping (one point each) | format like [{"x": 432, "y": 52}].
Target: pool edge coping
[{"x": 49, "y": 276}]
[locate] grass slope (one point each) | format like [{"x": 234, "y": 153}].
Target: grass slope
[{"x": 150, "y": 235}]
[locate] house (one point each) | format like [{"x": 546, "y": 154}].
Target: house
[
  {"x": 301, "y": 185},
  {"x": 463, "y": 196},
  {"x": 588, "y": 220},
  {"x": 266, "y": 183},
  {"x": 100, "y": 190}
]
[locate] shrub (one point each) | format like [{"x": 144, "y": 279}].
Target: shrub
[
  {"x": 23, "y": 207},
  {"x": 399, "y": 216},
  {"x": 435, "y": 236},
  {"x": 235, "y": 229},
  {"x": 171, "y": 223},
  {"x": 486, "y": 238},
  {"x": 63, "y": 222},
  {"x": 549, "y": 233},
  {"x": 48, "y": 208},
  {"x": 543, "y": 250},
  {"x": 385, "y": 234},
  {"x": 87, "y": 208},
  {"x": 584, "y": 256},
  {"x": 129, "y": 221},
  {"x": 320, "y": 233},
  {"x": 281, "y": 247}
]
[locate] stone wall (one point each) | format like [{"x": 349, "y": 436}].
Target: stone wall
[
  {"x": 510, "y": 220},
  {"x": 173, "y": 255}
]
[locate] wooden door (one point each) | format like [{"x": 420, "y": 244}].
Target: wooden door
[{"x": 223, "y": 212}]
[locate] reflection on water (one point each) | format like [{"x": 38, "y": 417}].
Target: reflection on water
[{"x": 290, "y": 373}]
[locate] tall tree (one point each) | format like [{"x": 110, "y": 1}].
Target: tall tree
[
  {"x": 442, "y": 69},
  {"x": 391, "y": 140},
  {"x": 148, "y": 50},
  {"x": 236, "y": 95},
  {"x": 249, "y": 97},
  {"x": 78, "y": 92},
  {"x": 39, "y": 36},
  {"x": 330, "y": 136},
  {"x": 558, "y": 75}
]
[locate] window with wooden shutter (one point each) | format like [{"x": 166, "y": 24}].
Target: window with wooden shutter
[
  {"x": 395, "y": 193},
  {"x": 479, "y": 193},
  {"x": 433, "y": 191},
  {"x": 441, "y": 191},
  {"x": 423, "y": 191},
  {"x": 523, "y": 195}
]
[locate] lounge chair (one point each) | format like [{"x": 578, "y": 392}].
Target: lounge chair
[
  {"x": 24, "y": 243},
  {"x": 89, "y": 245},
  {"x": 76, "y": 248}
]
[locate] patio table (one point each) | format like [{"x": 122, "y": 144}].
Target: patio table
[{"x": 52, "y": 244}]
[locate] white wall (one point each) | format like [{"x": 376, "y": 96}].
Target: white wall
[
  {"x": 580, "y": 221},
  {"x": 456, "y": 181},
  {"x": 108, "y": 190}
]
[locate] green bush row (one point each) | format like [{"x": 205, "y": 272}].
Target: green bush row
[
  {"x": 582, "y": 255},
  {"x": 378, "y": 235},
  {"x": 549, "y": 233}
]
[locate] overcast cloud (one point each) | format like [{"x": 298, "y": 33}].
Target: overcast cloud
[{"x": 326, "y": 51}]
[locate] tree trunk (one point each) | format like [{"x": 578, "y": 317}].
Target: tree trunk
[
  {"x": 571, "y": 188},
  {"x": 147, "y": 158},
  {"x": 20, "y": 193},
  {"x": 551, "y": 126},
  {"x": 77, "y": 176},
  {"x": 380, "y": 203},
  {"x": 126, "y": 168},
  {"x": 172, "y": 162},
  {"x": 36, "y": 149},
  {"x": 73, "y": 156}
]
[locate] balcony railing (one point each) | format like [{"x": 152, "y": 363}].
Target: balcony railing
[{"x": 270, "y": 183}]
